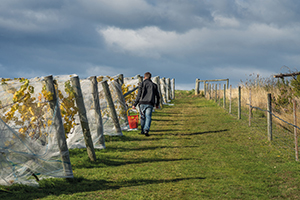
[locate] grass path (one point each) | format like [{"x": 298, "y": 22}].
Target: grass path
[{"x": 195, "y": 151}]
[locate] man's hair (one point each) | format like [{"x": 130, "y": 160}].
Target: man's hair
[{"x": 147, "y": 75}]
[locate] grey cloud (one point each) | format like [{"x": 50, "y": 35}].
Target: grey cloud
[{"x": 62, "y": 37}]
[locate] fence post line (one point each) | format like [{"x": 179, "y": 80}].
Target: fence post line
[
  {"x": 111, "y": 107},
  {"x": 250, "y": 108},
  {"x": 269, "y": 118},
  {"x": 197, "y": 87},
  {"x": 173, "y": 88},
  {"x": 295, "y": 130},
  {"x": 59, "y": 128},
  {"x": 98, "y": 116},
  {"x": 83, "y": 118},
  {"x": 230, "y": 91},
  {"x": 224, "y": 97},
  {"x": 239, "y": 104}
]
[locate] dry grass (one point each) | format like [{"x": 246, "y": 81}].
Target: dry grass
[
  {"x": 259, "y": 99},
  {"x": 283, "y": 133}
]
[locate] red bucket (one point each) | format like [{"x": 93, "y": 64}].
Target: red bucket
[{"x": 133, "y": 120}]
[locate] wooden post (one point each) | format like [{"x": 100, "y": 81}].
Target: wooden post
[
  {"x": 59, "y": 128},
  {"x": 219, "y": 94},
  {"x": 212, "y": 90},
  {"x": 111, "y": 105},
  {"x": 83, "y": 118},
  {"x": 197, "y": 87},
  {"x": 227, "y": 81},
  {"x": 173, "y": 88},
  {"x": 121, "y": 78},
  {"x": 295, "y": 130},
  {"x": 98, "y": 116},
  {"x": 209, "y": 91},
  {"x": 204, "y": 89},
  {"x": 250, "y": 108},
  {"x": 118, "y": 89},
  {"x": 239, "y": 104},
  {"x": 230, "y": 91},
  {"x": 269, "y": 118},
  {"x": 216, "y": 92},
  {"x": 224, "y": 97}
]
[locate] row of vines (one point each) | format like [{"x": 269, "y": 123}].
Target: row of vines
[{"x": 30, "y": 112}]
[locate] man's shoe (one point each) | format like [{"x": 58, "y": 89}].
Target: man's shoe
[
  {"x": 142, "y": 133},
  {"x": 147, "y": 133}
]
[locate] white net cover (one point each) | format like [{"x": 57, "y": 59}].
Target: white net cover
[{"x": 28, "y": 138}]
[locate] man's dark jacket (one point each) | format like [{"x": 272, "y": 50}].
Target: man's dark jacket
[{"x": 147, "y": 93}]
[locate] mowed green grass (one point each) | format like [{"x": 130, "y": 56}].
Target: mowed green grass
[{"x": 196, "y": 151}]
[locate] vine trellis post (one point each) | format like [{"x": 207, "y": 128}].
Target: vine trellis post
[
  {"x": 59, "y": 128},
  {"x": 98, "y": 116},
  {"x": 111, "y": 105},
  {"x": 83, "y": 118}
]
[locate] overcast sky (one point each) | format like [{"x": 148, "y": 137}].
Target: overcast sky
[{"x": 181, "y": 39}]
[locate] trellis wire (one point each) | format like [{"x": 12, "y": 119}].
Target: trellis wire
[{"x": 275, "y": 116}]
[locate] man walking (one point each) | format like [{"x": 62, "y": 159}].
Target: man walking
[{"x": 147, "y": 97}]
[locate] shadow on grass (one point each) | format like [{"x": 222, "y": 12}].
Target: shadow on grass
[
  {"x": 125, "y": 138},
  {"x": 161, "y": 120},
  {"x": 196, "y": 133},
  {"x": 206, "y": 132},
  {"x": 166, "y": 130},
  {"x": 114, "y": 161},
  {"x": 171, "y": 132},
  {"x": 122, "y": 149},
  {"x": 57, "y": 187}
]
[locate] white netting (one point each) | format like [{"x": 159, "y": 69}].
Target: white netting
[
  {"x": 163, "y": 88},
  {"x": 28, "y": 141}
]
